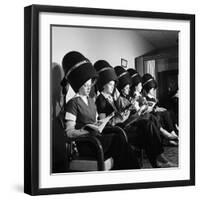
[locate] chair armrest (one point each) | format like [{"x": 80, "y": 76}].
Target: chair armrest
[
  {"x": 117, "y": 130},
  {"x": 122, "y": 132},
  {"x": 93, "y": 140}
]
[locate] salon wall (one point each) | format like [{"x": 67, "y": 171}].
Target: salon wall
[
  {"x": 95, "y": 44},
  {"x": 108, "y": 44}
]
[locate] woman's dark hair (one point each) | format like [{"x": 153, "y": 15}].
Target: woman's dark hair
[{"x": 148, "y": 82}]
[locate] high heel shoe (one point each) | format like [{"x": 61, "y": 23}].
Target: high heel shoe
[
  {"x": 174, "y": 135},
  {"x": 168, "y": 135},
  {"x": 173, "y": 143}
]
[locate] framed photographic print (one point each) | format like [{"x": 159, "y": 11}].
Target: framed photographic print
[{"x": 72, "y": 65}]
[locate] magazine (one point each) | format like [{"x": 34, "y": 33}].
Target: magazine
[
  {"x": 99, "y": 125},
  {"x": 150, "y": 106}
]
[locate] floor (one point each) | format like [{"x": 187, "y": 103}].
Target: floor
[{"x": 170, "y": 152}]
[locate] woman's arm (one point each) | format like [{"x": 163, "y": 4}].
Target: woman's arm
[
  {"x": 72, "y": 132},
  {"x": 116, "y": 119}
]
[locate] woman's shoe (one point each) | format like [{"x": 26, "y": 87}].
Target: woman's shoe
[
  {"x": 174, "y": 135},
  {"x": 172, "y": 143},
  {"x": 168, "y": 135}
]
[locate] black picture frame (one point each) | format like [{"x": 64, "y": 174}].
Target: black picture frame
[{"x": 31, "y": 98}]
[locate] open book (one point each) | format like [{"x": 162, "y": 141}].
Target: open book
[
  {"x": 149, "y": 108},
  {"x": 99, "y": 125}
]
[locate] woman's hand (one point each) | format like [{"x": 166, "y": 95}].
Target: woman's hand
[
  {"x": 143, "y": 109},
  {"x": 150, "y": 109},
  {"x": 125, "y": 115},
  {"x": 136, "y": 105}
]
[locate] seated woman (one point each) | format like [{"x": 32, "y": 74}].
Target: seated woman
[
  {"x": 106, "y": 85},
  {"x": 81, "y": 110},
  {"x": 106, "y": 105},
  {"x": 164, "y": 116},
  {"x": 146, "y": 107},
  {"x": 146, "y": 126}
]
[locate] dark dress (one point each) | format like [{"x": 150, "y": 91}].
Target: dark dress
[
  {"x": 113, "y": 144},
  {"x": 164, "y": 117},
  {"x": 142, "y": 132},
  {"x": 174, "y": 101}
]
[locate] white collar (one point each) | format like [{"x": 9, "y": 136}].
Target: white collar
[
  {"x": 84, "y": 98},
  {"x": 137, "y": 93}
]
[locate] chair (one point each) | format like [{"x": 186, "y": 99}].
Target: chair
[
  {"x": 87, "y": 163},
  {"x": 75, "y": 162}
]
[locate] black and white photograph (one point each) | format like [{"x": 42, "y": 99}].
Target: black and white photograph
[
  {"x": 109, "y": 100},
  {"x": 110, "y": 113}
]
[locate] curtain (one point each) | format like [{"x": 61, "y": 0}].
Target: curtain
[{"x": 150, "y": 67}]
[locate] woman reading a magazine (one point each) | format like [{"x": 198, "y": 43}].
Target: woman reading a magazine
[
  {"x": 81, "y": 110},
  {"x": 145, "y": 107},
  {"x": 143, "y": 133},
  {"x": 164, "y": 116}
]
